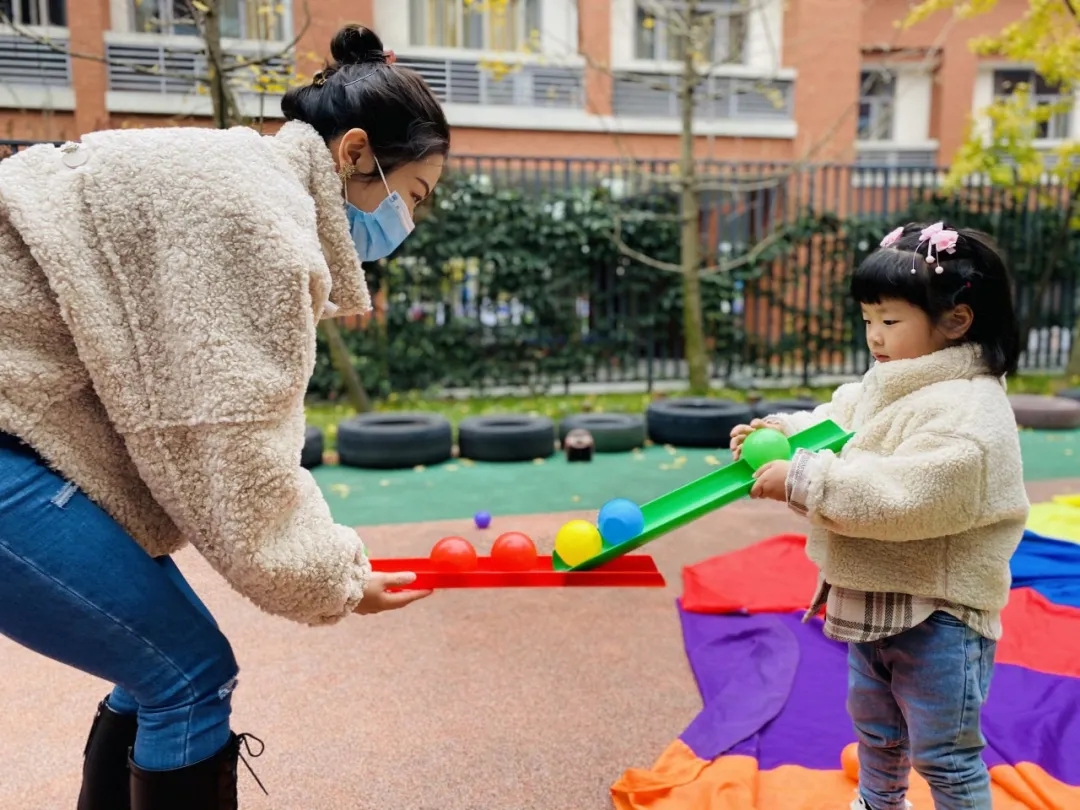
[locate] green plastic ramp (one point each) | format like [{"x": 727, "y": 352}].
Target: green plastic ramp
[{"x": 706, "y": 494}]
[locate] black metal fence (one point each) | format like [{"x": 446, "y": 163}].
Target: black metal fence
[
  {"x": 785, "y": 237},
  {"x": 533, "y": 271}
]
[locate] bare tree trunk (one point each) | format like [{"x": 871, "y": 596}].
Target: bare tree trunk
[
  {"x": 1042, "y": 285},
  {"x": 339, "y": 357},
  {"x": 1072, "y": 368},
  {"x": 227, "y": 114},
  {"x": 690, "y": 211},
  {"x": 207, "y": 16}
]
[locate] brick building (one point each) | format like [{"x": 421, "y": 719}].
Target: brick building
[{"x": 831, "y": 78}]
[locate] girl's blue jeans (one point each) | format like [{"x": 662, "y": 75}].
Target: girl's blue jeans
[
  {"x": 76, "y": 588},
  {"x": 916, "y": 700}
]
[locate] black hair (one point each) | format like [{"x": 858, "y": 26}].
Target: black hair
[
  {"x": 975, "y": 274},
  {"x": 362, "y": 89}
]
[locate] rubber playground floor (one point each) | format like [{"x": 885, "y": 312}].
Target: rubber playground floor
[
  {"x": 459, "y": 489},
  {"x": 518, "y": 699}
]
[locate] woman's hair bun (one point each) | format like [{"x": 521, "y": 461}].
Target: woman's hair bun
[{"x": 356, "y": 45}]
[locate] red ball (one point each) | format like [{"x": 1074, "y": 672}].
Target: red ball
[
  {"x": 514, "y": 551},
  {"x": 454, "y": 554}
]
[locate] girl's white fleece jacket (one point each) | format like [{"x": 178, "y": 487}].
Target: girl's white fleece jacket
[{"x": 928, "y": 496}]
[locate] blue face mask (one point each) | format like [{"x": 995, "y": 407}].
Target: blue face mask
[{"x": 378, "y": 234}]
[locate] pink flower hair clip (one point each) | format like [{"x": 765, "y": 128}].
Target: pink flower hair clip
[
  {"x": 938, "y": 238},
  {"x": 892, "y": 237}
]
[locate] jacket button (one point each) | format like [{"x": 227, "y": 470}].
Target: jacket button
[{"x": 73, "y": 155}]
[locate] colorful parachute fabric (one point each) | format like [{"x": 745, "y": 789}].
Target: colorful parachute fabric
[
  {"x": 1058, "y": 518},
  {"x": 774, "y": 733}
]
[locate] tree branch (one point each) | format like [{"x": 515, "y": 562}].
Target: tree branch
[
  {"x": 736, "y": 185},
  {"x": 751, "y": 255},
  {"x": 646, "y": 80},
  {"x": 749, "y": 8},
  {"x": 741, "y": 185},
  {"x": 640, "y": 257},
  {"x": 262, "y": 60}
]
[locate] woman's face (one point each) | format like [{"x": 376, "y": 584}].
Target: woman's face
[{"x": 413, "y": 181}]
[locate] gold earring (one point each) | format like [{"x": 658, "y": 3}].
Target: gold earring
[{"x": 346, "y": 171}]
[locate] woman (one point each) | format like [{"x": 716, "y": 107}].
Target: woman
[{"x": 159, "y": 294}]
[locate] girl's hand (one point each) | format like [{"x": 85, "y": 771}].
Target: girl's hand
[
  {"x": 770, "y": 481},
  {"x": 740, "y": 432},
  {"x": 381, "y": 594}
]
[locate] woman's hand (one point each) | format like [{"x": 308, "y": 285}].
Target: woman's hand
[
  {"x": 740, "y": 432},
  {"x": 380, "y": 594}
]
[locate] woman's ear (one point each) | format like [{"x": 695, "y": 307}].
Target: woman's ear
[
  {"x": 352, "y": 149},
  {"x": 957, "y": 321}
]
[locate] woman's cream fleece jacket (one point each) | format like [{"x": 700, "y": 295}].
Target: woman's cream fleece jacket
[
  {"x": 928, "y": 496},
  {"x": 159, "y": 294}
]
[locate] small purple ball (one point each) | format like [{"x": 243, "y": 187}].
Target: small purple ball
[{"x": 482, "y": 519}]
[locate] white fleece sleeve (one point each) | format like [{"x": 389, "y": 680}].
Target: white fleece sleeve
[
  {"x": 932, "y": 485},
  {"x": 791, "y": 423},
  {"x": 237, "y": 491}
]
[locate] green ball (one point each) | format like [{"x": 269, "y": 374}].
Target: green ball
[{"x": 765, "y": 445}]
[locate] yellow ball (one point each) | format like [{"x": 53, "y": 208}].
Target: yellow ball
[{"x": 577, "y": 542}]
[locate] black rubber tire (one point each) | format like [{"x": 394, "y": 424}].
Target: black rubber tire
[
  {"x": 611, "y": 432},
  {"x": 770, "y": 406},
  {"x": 1072, "y": 393},
  {"x": 510, "y": 437},
  {"x": 695, "y": 421},
  {"x": 388, "y": 441},
  {"x": 1045, "y": 413},
  {"x": 312, "y": 454}
]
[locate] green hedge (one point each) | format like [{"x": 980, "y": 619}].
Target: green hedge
[{"x": 532, "y": 260}]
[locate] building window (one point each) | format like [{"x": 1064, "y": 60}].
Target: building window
[
  {"x": 240, "y": 19},
  {"x": 877, "y": 97},
  {"x": 474, "y": 24},
  {"x": 35, "y": 12},
  {"x": 1043, "y": 94},
  {"x": 662, "y": 36}
]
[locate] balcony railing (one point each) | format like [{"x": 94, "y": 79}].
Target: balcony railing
[
  {"x": 154, "y": 67},
  {"x": 26, "y": 62},
  {"x": 896, "y": 158},
  {"x": 649, "y": 95},
  {"x": 469, "y": 81}
]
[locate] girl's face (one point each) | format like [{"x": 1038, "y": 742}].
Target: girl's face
[{"x": 897, "y": 330}]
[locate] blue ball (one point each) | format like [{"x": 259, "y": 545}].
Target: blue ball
[
  {"x": 620, "y": 520},
  {"x": 482, "y": 519}
]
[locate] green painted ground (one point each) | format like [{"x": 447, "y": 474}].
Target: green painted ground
[{"x": 459, "y": 489}]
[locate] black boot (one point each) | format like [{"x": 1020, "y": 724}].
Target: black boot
[
  {"x": 105, "y": 782},
  {"x": 206, "y": 785}
]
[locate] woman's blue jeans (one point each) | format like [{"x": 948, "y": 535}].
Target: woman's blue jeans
[{"x": 76, "y": 588}]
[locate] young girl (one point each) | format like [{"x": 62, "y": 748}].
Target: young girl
[{"x": 914, "y": 522}]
